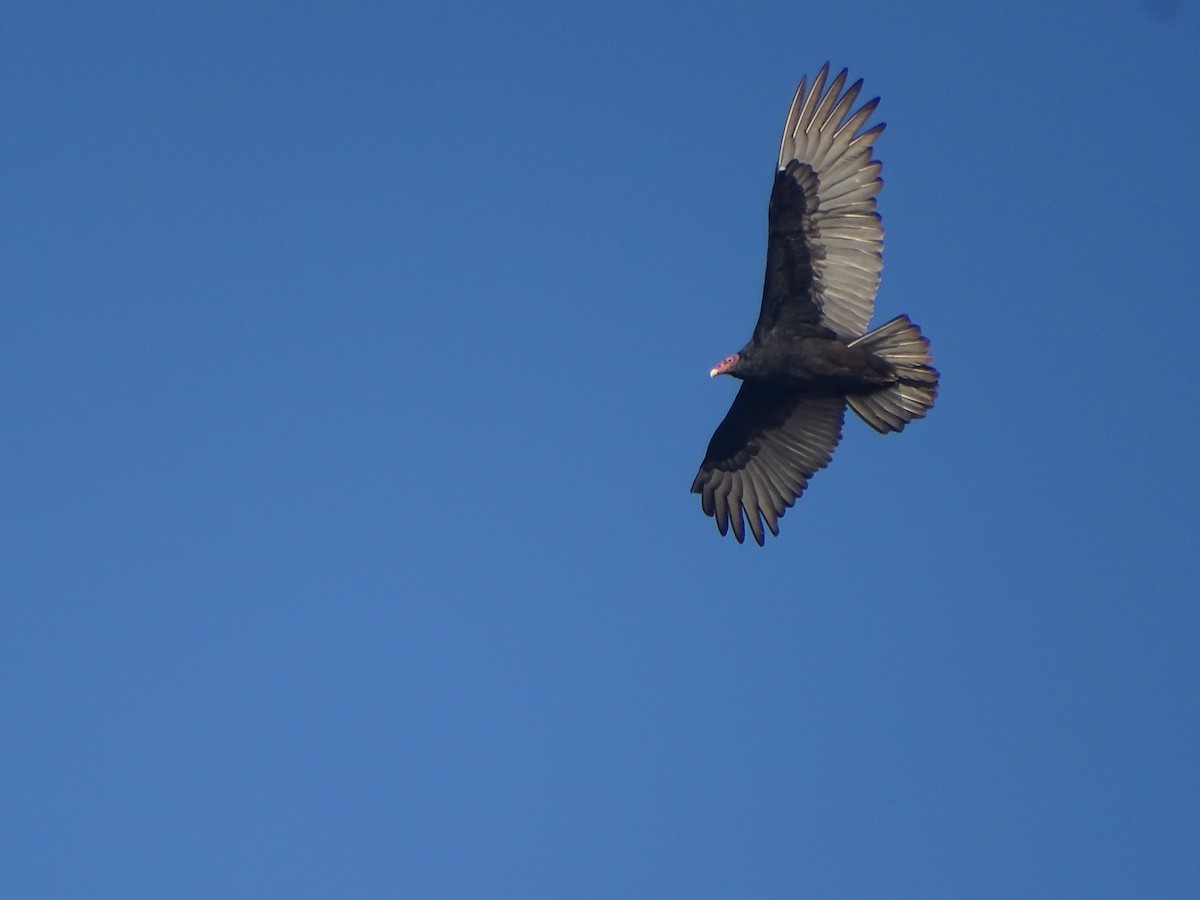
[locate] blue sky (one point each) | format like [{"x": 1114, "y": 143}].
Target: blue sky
[{"x": 354, "y": 373}]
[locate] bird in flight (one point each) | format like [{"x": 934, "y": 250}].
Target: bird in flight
[{"x": 811, "y": 353}]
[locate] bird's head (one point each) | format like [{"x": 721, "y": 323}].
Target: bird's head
[{"x": 727, "y": 366}]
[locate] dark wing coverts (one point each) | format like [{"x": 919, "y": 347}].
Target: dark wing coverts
[
  {"x": 761, "y": 456},
  {"x": 825, "y": 239}
]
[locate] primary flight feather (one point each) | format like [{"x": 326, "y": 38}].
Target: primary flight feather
[{"x": 810, "y": 353}]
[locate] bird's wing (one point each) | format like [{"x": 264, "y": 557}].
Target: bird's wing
[
  {"x": 762, "y": 455},
  {"x": 825, "y": 239}
]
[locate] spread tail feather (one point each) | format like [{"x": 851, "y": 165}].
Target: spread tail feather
[{"x": 900, "y": 343}]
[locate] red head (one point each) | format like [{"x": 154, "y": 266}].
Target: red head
[{"x": 726, "y": 366}]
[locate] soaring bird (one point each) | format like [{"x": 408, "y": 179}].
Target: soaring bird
[{"x": 811, "y": 353}]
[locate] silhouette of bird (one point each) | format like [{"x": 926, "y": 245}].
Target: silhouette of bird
[{"x": 811, "y": 354}]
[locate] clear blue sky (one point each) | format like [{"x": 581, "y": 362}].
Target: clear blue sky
[{"x": 353, "y": 374}]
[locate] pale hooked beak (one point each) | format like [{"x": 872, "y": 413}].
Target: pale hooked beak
[{"x": 714, "y": 372}]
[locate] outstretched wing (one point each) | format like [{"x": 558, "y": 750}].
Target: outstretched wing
[
  {"x": 825, "y": 239},
  {"x": 761, "y": 456}
]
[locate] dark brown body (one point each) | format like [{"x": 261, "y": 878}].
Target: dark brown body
[{"x": 813, "y": 362}]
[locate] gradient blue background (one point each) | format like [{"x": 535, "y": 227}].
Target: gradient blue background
[{"x": 353, "y": 376}]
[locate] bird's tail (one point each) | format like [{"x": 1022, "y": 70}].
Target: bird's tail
[{"x": 900, "y": 343}]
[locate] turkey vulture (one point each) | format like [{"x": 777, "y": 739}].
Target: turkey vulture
[{"x": 811, "y": 353}]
